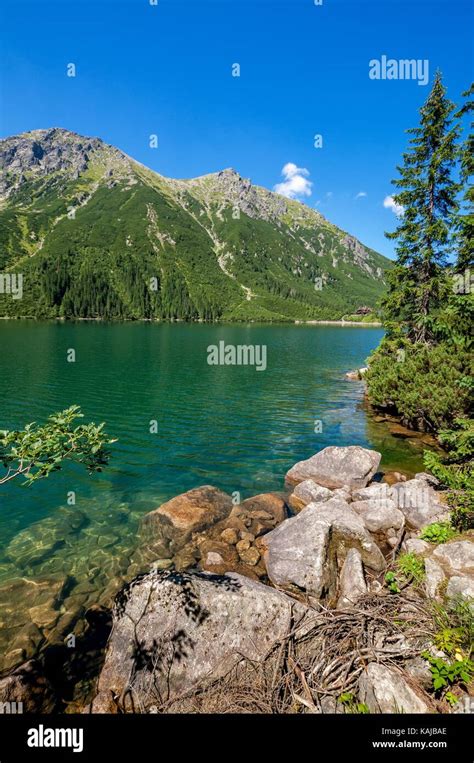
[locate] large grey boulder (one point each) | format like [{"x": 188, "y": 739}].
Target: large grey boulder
[
  {"x": 306, "y": 492},
  {"x": 456, "y": 556},
  {"x": 461, "y": 587},
  {"x": 379, "y": 514},
  {"x": 380, "y": 490},
  {"x": 429, "y": 478},
  {"x": 171, "y": 525},
  {"x": 352, "y": 585},
  {"x": 420, "y": 504},
  {"x": 172, "y": 631},
  {"x": 335, "y": 467},
  {"x": 306, "y": 552},
  {"x": 384, "y": 690},
  {"x": 416, "y": 546}
]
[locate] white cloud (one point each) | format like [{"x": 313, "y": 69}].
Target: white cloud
[
  {"x": 296, "y": 182},
  {"x": 390, "y": 203},
  {"x": 360, "y": 195}
]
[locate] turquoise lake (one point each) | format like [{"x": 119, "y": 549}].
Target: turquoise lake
[{"x": 230, "y": 426}]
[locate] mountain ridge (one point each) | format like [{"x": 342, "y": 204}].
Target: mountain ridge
[{"x": 211, "y": 247}]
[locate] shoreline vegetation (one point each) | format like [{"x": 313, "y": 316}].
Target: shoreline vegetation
[{"x": 422, "y": 370}]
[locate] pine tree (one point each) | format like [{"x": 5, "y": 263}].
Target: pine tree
[
  {"x": 466, "y": 219},
  {"x": 428, "y": 193}
]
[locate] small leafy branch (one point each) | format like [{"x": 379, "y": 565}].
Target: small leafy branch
[
  {"x": 445, "y": 674},
  {"x": 37, "y": 451},
  {"x": 409, "y": 569},
  {"x": 455, "y": 469},
  {"x": 350, "y": 704}
]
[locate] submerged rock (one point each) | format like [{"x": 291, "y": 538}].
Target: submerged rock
[
  {"x": 335, "y": 467},
  {"x": 26, "y": 690},
  {"x": 40, "y": 540},
  {"x": 29, "y": 609},
  {"x": 172, "y": 631}
]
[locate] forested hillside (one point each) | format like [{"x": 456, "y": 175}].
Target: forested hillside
[{"x": 95, "y": 234}]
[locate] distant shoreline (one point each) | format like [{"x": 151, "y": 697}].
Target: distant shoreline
[
  {"x": 342, "y": 323},
  {"x": 361, "y": 324}
]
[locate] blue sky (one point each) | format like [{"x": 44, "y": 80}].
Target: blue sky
[{"x": 166, "y": 69}]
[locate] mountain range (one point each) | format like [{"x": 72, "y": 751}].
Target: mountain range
[{"x": 95, "y": 234}]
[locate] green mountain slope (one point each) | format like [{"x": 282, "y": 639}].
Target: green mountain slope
[{"x": 95, "y": 234}]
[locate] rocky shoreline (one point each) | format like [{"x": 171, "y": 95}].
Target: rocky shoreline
[{"x": 221, "y": 595}]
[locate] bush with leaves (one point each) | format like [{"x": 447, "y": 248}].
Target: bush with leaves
[
  {"x": 438, "y": 532},
  {"x": 36, "y": 451},
  {"x": 462, "y": 509},
  {"x": 446, "y": 673},
  {"x": 424, "y": 385},
  {"x": 456, "y": 469}
]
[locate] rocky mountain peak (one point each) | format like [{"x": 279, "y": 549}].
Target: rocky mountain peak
[
  {"x": 228, "y": 172},
  {"x": 38, "y": 153}
]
